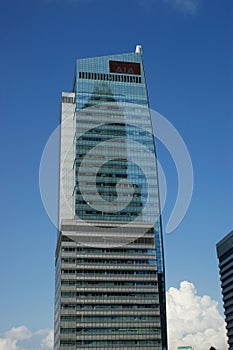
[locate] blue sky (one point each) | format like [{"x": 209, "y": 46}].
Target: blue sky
[{"x": 187, "y": 47}]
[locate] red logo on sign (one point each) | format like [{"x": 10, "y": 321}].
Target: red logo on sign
[{"x": 121, "y": 67}]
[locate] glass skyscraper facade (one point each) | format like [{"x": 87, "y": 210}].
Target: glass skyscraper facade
[{"x": 110, "y": 289}]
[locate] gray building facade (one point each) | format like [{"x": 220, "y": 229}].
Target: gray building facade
[{"x": 225, "y": 256}]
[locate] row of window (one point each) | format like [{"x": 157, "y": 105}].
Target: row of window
[
  {"x": 126, "y": 216},
  {"x": 225, "y": 256},
  {"x": 106, "y": 261},
  {"x": 104, "y": 330},
  {"x": 106, "y": 217},
  {"x": 135, "y": 205},
  {"x": 109, "y": 184},
  {"x": 107, "y": 272},
  {"x": 117, "y": 163},
  {"x": 108, "y": 250},
  {"x": 82, "y": 151},
  {"x": 103, "y": 133},
  {"x": 94, "y": 307},
  {"x": 118, "y": 101},
  {"x": 99, "y": 102},
  {"x": 110, "y": 77},
  {"x": 107, "y": 295},
  {"x": 127, "y": 318},
  {"x": 118, "y": 134},
  {"x": 66, "y": 99},
  {"x": 87, "y": 144},
  {"x": 109, "y": 197},
  {"x": 107, "y": 191},
  {"x": 105, "y": 173},
  {"x": 102, "y": 123},
  {"x": 101, "y": 175},
  {"x": 110, "y": 343},
  {"x": 118, "y": 128},
  {"x": 125, "y": 103},
  {"x": 106, "y": 283},
  {"x": 118, "y": 148},
  {"x": 94, "y": 214},
  {"x": 89, "y": 114}
]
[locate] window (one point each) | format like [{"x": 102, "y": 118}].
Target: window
[{"x": 110, "y": 77}]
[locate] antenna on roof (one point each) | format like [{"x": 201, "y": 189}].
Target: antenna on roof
[{"x": 138, "y": 49}]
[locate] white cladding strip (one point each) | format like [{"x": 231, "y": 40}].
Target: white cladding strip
[{"x": 67, "y": 159}]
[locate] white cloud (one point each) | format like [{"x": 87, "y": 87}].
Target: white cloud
[
  {"x": 7, "y": 344},
  {"x": 186, "y": 6},
  {"x": 194, "y": 320},
  {"x": 16, "y": 336},
  {"x": 9, "y": 339},
  {"x": 18, "y": 333},
  {"x": 47, "y": 341}
]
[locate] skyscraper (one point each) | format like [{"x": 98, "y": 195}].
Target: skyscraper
[
  {"x": 110, "y": 288},
  {"x": 225, "y": 256}
]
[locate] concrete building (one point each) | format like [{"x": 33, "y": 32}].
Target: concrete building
[
  {"x": 110, "y": 289},
  {"x": 225, "y": 256}
]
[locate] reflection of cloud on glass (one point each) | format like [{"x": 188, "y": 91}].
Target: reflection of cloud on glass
[{"x": 132, "y": 169}]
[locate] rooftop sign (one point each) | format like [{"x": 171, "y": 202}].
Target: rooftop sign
[{"x": 121, "y": 67}]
